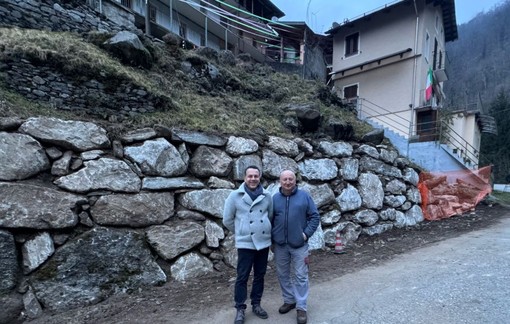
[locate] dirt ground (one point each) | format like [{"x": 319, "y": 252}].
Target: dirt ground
[{"x": 178, "y": 303}]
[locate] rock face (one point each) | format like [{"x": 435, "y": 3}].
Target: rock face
[
  {"x": 46, "y": 209},
  {"x": 10, "y": 167},
  {"x": 72, "y": 135},
  {"x": 100, "y": 211},
  {"x": 93, "y": 266},
  {"x": 128, "y": 47}
]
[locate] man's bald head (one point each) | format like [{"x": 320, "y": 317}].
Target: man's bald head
[{"x": 287, "y": 181}]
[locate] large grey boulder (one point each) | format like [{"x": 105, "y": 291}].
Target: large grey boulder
[
  {"x": 282, "y": 146},
  {"x": 371, "y": 191},
  {"x": 72, "y": 135},
  {"x": 349, "y": 199},
  {"x": 321, "y": 194},
  {"x": 374, "y": 137},
  {"x": 370, "y": 164},
  {"x": 209, "y": 161},
  {"x": 213, "y": 234},
  {"x": 162, "y": 183},
  {"x": 274, "y": 164},
  {"x": 93, "y": 266},
  {"x": 36, "y": 250},
  {"x": 208, "y": 201},
  {"x": 237, "y": 146},
  {"x": 243, "y": 162},
  {"x": 129, "y": 49},
  {"x": 335, "y": 149},
  {"x": 46, "y": 209},
  {"x": 157, "y": 158},
  {"x": 134, "y": 210},
  {"x": 102, "y": 174},
  {"x": 319, "y": 169},
  {"x": 349, "y": 169},
  {"x": 198, "y": 138},
  {"x": 192, "y": 265},
  {"x": 169, "y": 241},
  {"x": 22, "y": 157}
]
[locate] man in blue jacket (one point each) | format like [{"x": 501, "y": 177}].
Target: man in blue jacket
[
  {"x": 248, "y": 213},
  {"x": 295, "y": 219}
]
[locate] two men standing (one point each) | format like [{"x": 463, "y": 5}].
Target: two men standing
[{"x": 290, "y": 218}]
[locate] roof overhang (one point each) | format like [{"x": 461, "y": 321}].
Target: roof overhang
[
  {"x": 447, "y": 8},
  {"x": 449, "y": 18},
  {"x": 273, "y": 8}
]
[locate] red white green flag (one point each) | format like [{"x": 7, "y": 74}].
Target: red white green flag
[{"x": 428, "y": 86}]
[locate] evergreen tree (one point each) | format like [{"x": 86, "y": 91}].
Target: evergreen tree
[{"x": 496, "y": 148}]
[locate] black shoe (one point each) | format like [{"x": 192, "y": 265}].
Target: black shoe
[
  {"x": 301, "y": 316},
  {"x": 239, "y": 317},
  {"x": 285, "y": 308},
  {"x": 259, "y": 311}
]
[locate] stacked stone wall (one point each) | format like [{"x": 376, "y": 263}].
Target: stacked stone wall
[
  {"x": 96, "y": 97},
  {"x": 108, "y": 206},
  {"x": 63, "y": 16}
]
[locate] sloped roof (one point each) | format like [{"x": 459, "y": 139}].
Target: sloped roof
[
  {"x": 449, "y": 18},
  {"x": 448, "y": 11},
  {"x": 274, "y": 9}
]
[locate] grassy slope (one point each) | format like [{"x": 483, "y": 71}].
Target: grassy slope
[{"x": 248, "y": 98}]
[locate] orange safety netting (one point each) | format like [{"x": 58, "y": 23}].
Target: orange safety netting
[{"x": 445, "y": 194}]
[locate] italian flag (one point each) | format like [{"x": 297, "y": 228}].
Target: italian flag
[{"x": 428, "y": 86}]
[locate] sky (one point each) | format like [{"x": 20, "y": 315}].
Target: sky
[{"x": 320, "y": 14}]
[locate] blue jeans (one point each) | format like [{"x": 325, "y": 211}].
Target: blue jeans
[
  {"x": 246, "y": 260},
  {"x": 292, "y": 271}
]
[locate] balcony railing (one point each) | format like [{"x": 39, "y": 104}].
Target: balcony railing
[{"x": 437, "y": 130}]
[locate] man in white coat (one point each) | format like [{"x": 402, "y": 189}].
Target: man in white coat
[{"x": 248, "y": 213}]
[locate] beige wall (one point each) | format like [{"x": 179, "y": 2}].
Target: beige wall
[
  {"x": 395, "y": 83},
  {"x": 380, "y": 36},
  {"x": 384, "y": 90},
  {"x": 465, "y": 135}
]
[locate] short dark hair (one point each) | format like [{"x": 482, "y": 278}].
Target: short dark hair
[{"x": 252, "y": 167}]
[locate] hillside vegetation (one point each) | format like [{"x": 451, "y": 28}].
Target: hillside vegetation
[
  {"x": 478, "y": 60},
  {"x": 248, "y": 98},
  {"x": 479, "y": 72}
]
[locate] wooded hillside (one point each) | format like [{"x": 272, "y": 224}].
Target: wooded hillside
[
  {"x": 478, "y": 60},
  {"x": 479, "y": 68}
]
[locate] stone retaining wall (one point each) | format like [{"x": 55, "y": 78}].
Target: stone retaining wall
[
  {"x": 95, "y": 97},
  {"x": 62, "y": 16},
  {"x": 83, "y": 216}
]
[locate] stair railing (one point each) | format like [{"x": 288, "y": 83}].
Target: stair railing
[
  {"x": 459, "y": 146},
  {"x": 439, "y": 131},
  {"x": 391, "y": 119}
]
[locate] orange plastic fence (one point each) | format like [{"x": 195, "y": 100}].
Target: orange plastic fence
[{"x": 445, "y": 194}]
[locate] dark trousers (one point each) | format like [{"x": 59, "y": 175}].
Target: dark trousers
[{"x": 246, "y": 260}]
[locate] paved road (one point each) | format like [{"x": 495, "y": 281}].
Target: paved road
[
  {"x": 460, "y": 280},
  {"x": 502, "y": 187}
]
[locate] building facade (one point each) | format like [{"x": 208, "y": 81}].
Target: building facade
[
  {"x": 383, "y": 60},
  {"x": 240, "y": 26}
]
